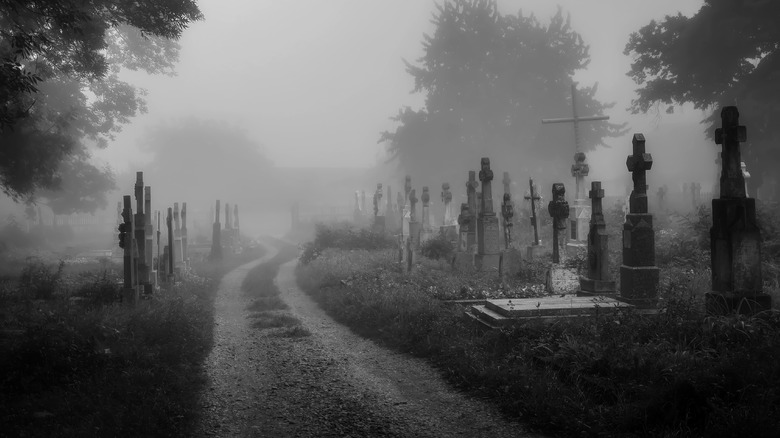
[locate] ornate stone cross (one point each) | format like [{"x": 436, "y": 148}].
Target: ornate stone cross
[
  {"x": 638, "y": 164},
  {"x": 730, "y": 135}
]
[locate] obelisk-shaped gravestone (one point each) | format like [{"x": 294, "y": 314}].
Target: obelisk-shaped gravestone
[
  {"x": 216, "y": 234},
  {"x": 597, "y": 281},
  {"x": 471, "y": 196},
  {"x": 151, "y": 285},
  {"x": 184, "y": 256},
  {"x": 177, "y": 250},
  {"x": 414, "y": 224},
  {"x": 735, "y": 239},
  {"x": 638, "y": 273},
  {"x": 139, "y": 228},
  {"x": 489, "y": 249},
  {"x": 171, "y": 263}
]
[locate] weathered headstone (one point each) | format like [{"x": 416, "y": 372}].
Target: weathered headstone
[
  {"x": 533, "y": 197},
  {"x": 597, "y": 281},
  {"x": 471, "y": 194},
  {"x": 151, "y": 285},
  {"x": 216, "y": 235},
  {"x": 127, "y": 236},
  {"x": 638, "y": 273},
  {"x": 184, "y": 254},
  {"x": 177, "y": 248},
  {"x": 488, "y": 251},
  {"x": 464, "y": 257},
  {"x": 379, "y": 221},
  {"x": 171, "y": 263},
  {"x": 735, "y": 239},
  {"x": 427, "y": 230},
  {"x": 448, "y": 228},
  {"x": 139, "y": 228},
  {"x": 559, "y": 212},
  {"x": 414, "y": 225}
]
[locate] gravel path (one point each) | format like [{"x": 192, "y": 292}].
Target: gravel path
[{"x": 331, "y": 383}]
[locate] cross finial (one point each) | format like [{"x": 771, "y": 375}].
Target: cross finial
[{"x": 730, "y": 135}]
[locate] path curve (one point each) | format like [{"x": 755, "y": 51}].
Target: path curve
[{"x": 331, "y": 383}]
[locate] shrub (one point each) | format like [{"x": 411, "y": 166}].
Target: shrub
[
  {"x": 39, "y": 280},
  {"x": 343, "y": 236},
  {"x": 439, "y": 247}
]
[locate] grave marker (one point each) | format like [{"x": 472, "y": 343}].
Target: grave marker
[
  {"x": 597, "y": 281},
  {"x": 151, "y": 284},
  {"x": 379, "y": 221},
  {"x": 427, "y": 231},
  {"x": 184, "y": 256},
  {"x": 533, "y": 197},
  {"x": 559, "y": 211},
  {"x": 216, "y": 234},
  {"x": 471, "y": 193},
  {"x": 139, "y": 228},
  {"x": 177, "y": 248},
  {"x": 448, "y": 228},
  {"x": 735, "y": 239},
  {"x": 638, "y": 273},
  {"x": 171, "y": 263},
  {"x": 414, "y": 225},
  {"x": 488, "y": 253},
  {"x": 126, "y": 234}
]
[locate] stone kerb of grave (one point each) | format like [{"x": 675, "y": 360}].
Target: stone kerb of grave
[
  {"x": 489, "y": 248},
  {"x": 735, "y": 239},
  {"x": 502, "y": 312},
  {"x": 638, "y": 273},
  {"x": 597, "y": 281}
]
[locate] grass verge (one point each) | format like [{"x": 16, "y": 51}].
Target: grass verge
[
  {"x": 77, "y": 364},
  {"x": 679, "y": 374}
]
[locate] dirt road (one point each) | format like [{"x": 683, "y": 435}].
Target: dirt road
[{"x": 330, "y": 383}]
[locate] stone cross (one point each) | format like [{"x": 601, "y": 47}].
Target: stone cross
[
  {"x": 730, "y": 135},
  {"x": 139, "y": 228},
  {"x": 735, "y": 239},
  {"x": 177, "y": 248},
  {"x": 488, "y": 252},
  {"x": 407, "y": 188},
  {"x": 413, "y": 205},
  {"x": 597, "y": 281},
  {"x": 471, "y": 194},
  {"x": 638, "y": 273},
  {"x": 638, "y": 164},
  {"x": 228, "y": 224},
  {"x": 533, "y": 197},
  {"x": 414, "y": 225},
  {"x": 559, "y": 211},
  {"x": 446, "y": 199},
  {"x": 185, "y": 257},
  {"x": 171, "y": 264},
  {"x": 216, "y": 244},
  {"x": 507, "y": 212},
  {"x": 149, "y": 239},
  {"x": 235, "y": 216},
  {"x": 426, "y": 200},
  {"x": 580, "y": 169},
  {"x": 464, "y": 221},
  {"x": 129, "y": 293},
  {"x": 377, "y": 199}
]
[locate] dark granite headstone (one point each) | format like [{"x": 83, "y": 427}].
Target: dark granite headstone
[
  {"x": 735, "y": 239},
  {"x": 597, "y": 281},
  {"x": 488, "y": 252}
]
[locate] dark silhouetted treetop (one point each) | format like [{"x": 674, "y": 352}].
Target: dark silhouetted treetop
[
  {"x": 59, "y": 82},
  {"x": 488, "y": 80},
  {"x": 728, "y": 53}
]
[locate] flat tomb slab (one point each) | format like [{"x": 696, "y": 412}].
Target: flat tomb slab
[{"x": 554, "y": 306}]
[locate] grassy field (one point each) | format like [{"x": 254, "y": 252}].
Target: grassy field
[
  {"x": 74, "y": 362},
  {"x": 682, "y": 373}
]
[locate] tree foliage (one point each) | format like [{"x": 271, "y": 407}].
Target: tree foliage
[
  {"x": 60, "y": 89},
  {"x": 728, "y": 53},
  {"x": 488, "y": 81}
]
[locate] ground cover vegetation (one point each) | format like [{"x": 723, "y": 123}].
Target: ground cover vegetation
[
  {"x": 681, "y": 373},
  {"x": 268, "y": 309},
  {"x": 75, "y": 362}
]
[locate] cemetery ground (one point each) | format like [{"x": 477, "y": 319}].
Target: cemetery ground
[
  {"x": 75, "y": 362},
  {"x": 678, "y": 373}
]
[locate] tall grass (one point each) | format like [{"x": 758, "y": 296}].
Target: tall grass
[
  {"x": 681, "y": 373},
  {"x": 77, "y": 363}
]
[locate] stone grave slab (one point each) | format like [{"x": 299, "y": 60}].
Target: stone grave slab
[{"x": 501, "y": 312}]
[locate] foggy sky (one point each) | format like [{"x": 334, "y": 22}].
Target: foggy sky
[{"x": 316, "y": 81}]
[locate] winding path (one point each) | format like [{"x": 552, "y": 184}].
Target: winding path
[{"x": 331, "y": 383}]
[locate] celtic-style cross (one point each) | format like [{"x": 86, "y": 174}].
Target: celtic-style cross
[{"x": 638, "y": 164}]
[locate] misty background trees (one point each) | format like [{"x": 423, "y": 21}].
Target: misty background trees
[
  {"x": 488, "y": 80},
  {"x": 60, "y": 91},
  {"x": 726, "y": 54}
]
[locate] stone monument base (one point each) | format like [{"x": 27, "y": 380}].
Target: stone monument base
[
  {"x": 511, "y": 263},
  {"x": 561, "y": 280},
  {"x": 591, "y": 287},
  {"x": 724, "y": 304},
  {"x": 487, "y": 262},
  {"x": 639, "y": 283},
  {"x": 463, "y": 262}
]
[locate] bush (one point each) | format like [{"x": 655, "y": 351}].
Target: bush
[
  {"x": 39, "y": 280},
  {"x": 343, "y": 236},
  {"x": 439, "y": 247}
]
